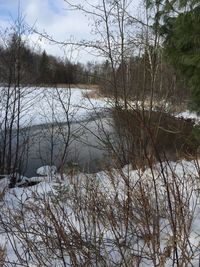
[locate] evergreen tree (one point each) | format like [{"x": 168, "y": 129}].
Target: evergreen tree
[
  {"x": 44, "y": 69},
  {"x": 182, "y": 46}
]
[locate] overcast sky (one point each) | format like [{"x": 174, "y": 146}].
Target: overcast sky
[{"x": 53, "y": 17}]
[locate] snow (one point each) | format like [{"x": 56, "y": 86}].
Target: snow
[
  {"x": 46, "y": 170},
  {"x": 188, "y": 115},
  {"x": 52, "y": 105},
  {"x": 185, "y": 173},
  {"x": 41, "y": 105}
]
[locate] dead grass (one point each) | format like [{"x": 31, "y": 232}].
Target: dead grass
[
  {"x": 174, "y": 137},
  {"x": 109, "y": 222},
  {"x": 2, "y": 255},
  {"x": 91, "y": 93},
  {"x": 79, "y": 85},
  {"x": 92, "y": 90}
]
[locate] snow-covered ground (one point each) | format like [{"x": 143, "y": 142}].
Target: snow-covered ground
[
  {"x": 40, "y": 105},
  {"x": 189, "y": 115},
  {"x": 22, "y": 228},
  {"x": 47, "y": 105},
  {"x": 182, "y": 178}
]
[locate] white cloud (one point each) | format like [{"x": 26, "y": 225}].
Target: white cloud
[
  {"x": 52, "y": 17},
  {"x": 55, "y": 21}
]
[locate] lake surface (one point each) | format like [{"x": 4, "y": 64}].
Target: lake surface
[
  {"x": 94, "y": 144},
  {"x": 86, "y": 149}
]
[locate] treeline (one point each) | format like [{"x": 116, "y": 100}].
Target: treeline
[
  {"x": 132, "y": 78},
  {"x": 19, "y": 62}
]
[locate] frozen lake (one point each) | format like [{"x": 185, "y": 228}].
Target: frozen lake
[
  {"x": 48, "y": 145},
  {"x": 58, "y": 126},
  {"x": 43, "y": 105}
]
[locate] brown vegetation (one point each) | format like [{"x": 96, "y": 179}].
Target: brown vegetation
[{"x": 164, "y": 136}]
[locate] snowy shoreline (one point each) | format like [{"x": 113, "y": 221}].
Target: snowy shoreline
[{"x": 51, "y": 105}]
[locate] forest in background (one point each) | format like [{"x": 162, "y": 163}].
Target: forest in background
[
  {"x": 143, "y": 208},
  {"x": 20, "y": 61},
  {"x": 38, "y": 68}
]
